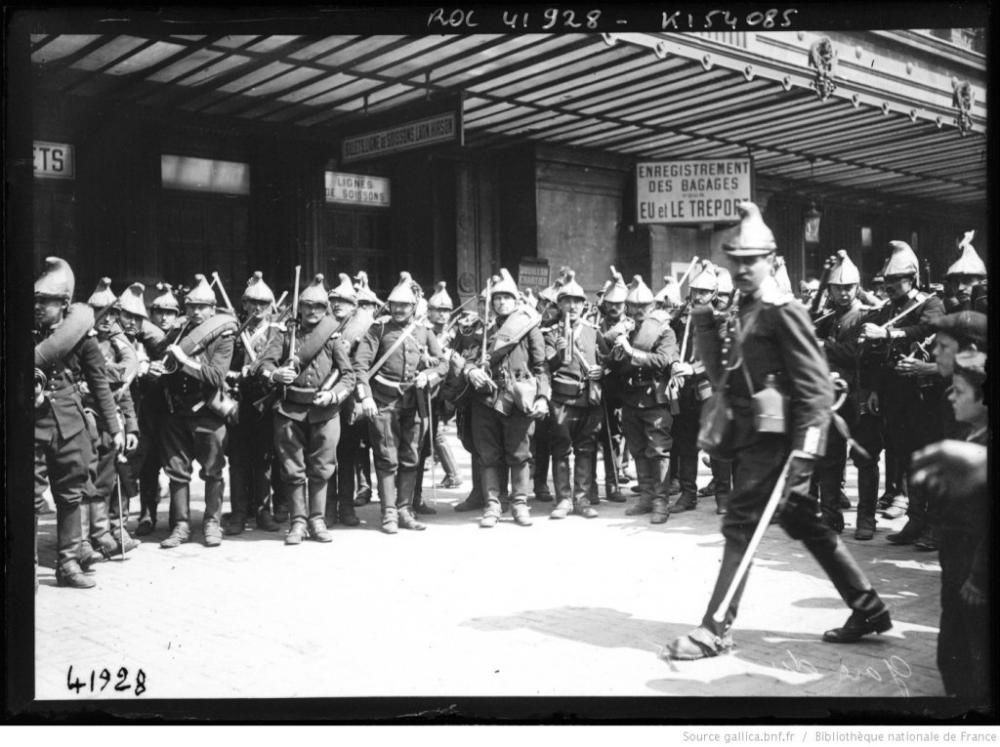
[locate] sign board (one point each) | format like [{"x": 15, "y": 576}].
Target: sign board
[
  {"x": 356, "y": 189},
  {"x": 533, "y": 273},
  {"x": 694, "y": 191},
  {"x": 204, "y": 175},
  {"x": 54, "y": 160},
  {"x": 442, "y": 128}
]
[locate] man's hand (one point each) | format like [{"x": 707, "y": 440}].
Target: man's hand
[
  {"x": 540, "y": 409},
  {"x": 949, "y": 467},
  {"x": 478, "y": 378},
  {"x": 625, "y": 346},
  {"x": 156, "y": 370},
  {"x": 422, "y": 380},
  {"x": 971, "y": 594},
  {"x": 368, "y": 408},
  {"x": 178, "y": 353},
  {"x": 284, "y": 375},
  {"x": 323, "y": 398},
  {"x": 912, "y": 367},
  {"x": 873, "y": 331},
  {"x": 873, "y": 403},
  {"x": 131, "y": 442},
  {"x": 682, "y": 369},
  {"x": 594, "y": 373},
  {"x": 118, "y": 440},
  {"x": 560, "y": 343}
]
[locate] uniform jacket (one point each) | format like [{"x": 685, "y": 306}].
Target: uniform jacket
[
  {"x": 569, "y": 382},
  {"x": 518, "y": 362},
  {"x": 779, "y": 340},
  {"x": 186, "y": 392},
  {"x": 839, "y": 336},
  {"x": 644, "y": 373},
  {"x": 392, "y": 383},
  {"x": 880, "y": 355},
  {"x": 121, "y": 364}
]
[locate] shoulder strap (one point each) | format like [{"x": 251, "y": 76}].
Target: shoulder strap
[
  {"x": 202, "y": 335},
  {"x": 392, "y": 348},
  {"x": 310, "y": 345}
]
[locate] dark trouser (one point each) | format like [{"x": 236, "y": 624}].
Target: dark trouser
[
  {"x": 307, "y": 455},
  {"x": 502, "y": 440},
  {"x": 912, "y": 422},
  {"x": 251, "y": 454},
  {"x": 541, "y": 454},
  {"x": 722, "y": 475},
  {"x": 348, "y": 450},
  {"x": 102, "y": 504},
  {"x": 574, "y": 429},
  {"x": 609, "y": 439},
  {"x": 395, "y": 435},
  {"x": 965, "y": 637},
  {"x": 147, "y": 459},
  {"x": 62, "y": 465},
  {"x": 684, "y": 452},
  {"x": 647, "y": 433},
  {"x": 441, "y": 450},
  {"x": 755, "y": 472},
  {"x": 189, "y": 438}
]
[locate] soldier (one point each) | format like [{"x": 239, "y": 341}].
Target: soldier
[
  {"x": 769, "y": 339},
  {"x": 251, "y": 437},
  {"x": 372, "y": 305},
  {"x": 66, "y": 355},
  {"x": 838, "y": 334},
  {"x": 197, "y": 358},
  {"x": 693, "y": 388},
  {"x": 107, "y": 535},
  {"x": 395, "y": 362},
  {"x": 722, "y": 471},
  {"x": 576, "y": 419},
  {"x": 908, "y": 398},
  {"x": 152, "y": 412},
  {"x": 643, "y": 354},
  {"x": 456, "y": 389},
  {"x": 612, "y": 313},
  {"x": 964, "y": 277},
  {"x": 541, "y": 453},
  {"x": 669, "y": 297},
  {"x": 312, "y": 369},
  {"x": 512, "y": 391}
]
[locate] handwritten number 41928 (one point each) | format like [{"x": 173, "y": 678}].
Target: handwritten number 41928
[{"x": 98, "y": 681}]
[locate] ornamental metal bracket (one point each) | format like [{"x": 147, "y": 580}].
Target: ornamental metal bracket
[
  {"x": 823, "y": 57},
  {"x": 962, "y": 101}
]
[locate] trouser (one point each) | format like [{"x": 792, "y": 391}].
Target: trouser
[
  {"x": 541, "y": 454},
  {"x": 722, "y": 476},
  {"x": 61, "y": 464},
  {"x": 307, "y": 455},
  {"x": 965, "y": 636},
  {"x": 349, "y": 450},
  {"x": 442, "y": 452},
  {"x": 394, "y": 434},
  {"x": 251, "y": 455},
  {"x": 609, "y": 439},
  {"x": 102, "y": 506},
  {"x": 647, "y": 433},
  {"x": 502, "y": 440},
  {"x": 573, "y": 430},
  {"x": 684, "y": 452},
  {"x": 755, "y": 473},
  {"x": 186, "y": 439},
  {"x": 147, "y": 459},
  {"x": 912, "y": 422}
]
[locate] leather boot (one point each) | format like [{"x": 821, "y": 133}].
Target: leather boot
[
  {"x": 317, "y": 499},
  {"x": 69, "y": 539},
  {"x": 180, "y": 534},
  {"x": 387, "y": 493},
  {"x": 448, "y": 464},
  {"x": 867, "y": 490},
  {"x": 345, "y": 512},
  {"x": 645, "y": 503},
  {"x": 687, "y": 502},
  {"x": 296, "y": 532},
  {"x": 123, "y": 541},
  {"x": 72, "y": 576},
  {"x": 318, "y": 530},
  {"x": 519, "y": 508},
  {"x": 584, "y": 485},
  {"x": 560, "y": 477},
  {"x": 406, "y": 490},
  {"x": 708, "y": 489},
  {"x": 474, "y": 501},
  {"x": 520, "y": 476},
  {"x": 721, "y": 499},
  {"x": 613, "y": 493},
  {"x": 296, "y": 495},
  {"x": 869, "y": 615},
  {"x": 88, "y": 557},
  {"x": 660, "y": 469},
  {"x": 908, "y": 535},
  {"x": 211, "y": 525},
  {"x": 180, "y": 500},
  {"x": 236, "y": 525},
  {"x": 100, "y": 528},
  {"x": 491, "y": 493},
  {"x": 266, "y": 521},
  {"x": 408, "y": 521}
]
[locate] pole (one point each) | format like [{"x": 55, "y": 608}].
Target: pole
[
  {"x": 430, "y": 444},
  {"x": 611, "y": 447},
  {"x": 121, "y": 514}
]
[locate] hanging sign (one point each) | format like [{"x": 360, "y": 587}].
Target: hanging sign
[
  {"x": 693, "y": 191},
  {"x": 357, "y": 189},
  {"x": 442, "y": 128},
  {"x": 54, "y": 160},
  {"x": 533, "y": 273}
]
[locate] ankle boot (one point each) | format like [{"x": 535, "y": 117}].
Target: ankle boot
[
  {"x": 69, "y": 540},
  {"x": 296, "y": 532},
  {"x": 869, "y": 615},
  {"x": 660, "y": 469},
  {"x": 180, "y": 534},
  {"x": 318, "y": 530},
  {"x": 387, "y": 493},
  {"x": 491, "y": 493},
  {"x": 70, "y": 575},
  {"x": 475, "y": 500},
  {"x": 345, "y": 512},
  {"x": 211, "y": 526},
  {"x": 519, "y": 508},
  {"x": 687, "y": 502},
  {"x": 645, "y": 503},
  {"x": 408, "y": 521}
]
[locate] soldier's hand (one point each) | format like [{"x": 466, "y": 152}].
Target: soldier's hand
[
  {"x": 560, "y": 343},
  {"x": 625, "y": 346},
  {"x": 873, "y": 403},
  {"x": 478, "y": 378},
  {"x": 873, "y": 331},
  {"x": 177, "y": 352},
  {"x": 594, "y": 373},
  {"x": 131, "y": 442},
  {"x": 284, "y": 375},
  {"x": 323, "y": 399},
  {"x": 118, "y": 440},
  {"x": 682, "y": 370},
  {"x": 156, "y": 369},
  {"x": 368, "y": 408},
  {"x": 540, "y": 409},
  {"x": 972, "y": 594},
  {"x": 421, "y": 381}
]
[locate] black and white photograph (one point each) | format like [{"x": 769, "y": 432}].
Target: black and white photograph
[{"x": 485, "y": 364}]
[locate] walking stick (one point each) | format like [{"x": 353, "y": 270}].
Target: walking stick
[
  {"x": 758, "y": 534},
  {"x": 430, "y": 445},
  {"x": 611, "y": 448},
  {"x": 121, "y": 514}
]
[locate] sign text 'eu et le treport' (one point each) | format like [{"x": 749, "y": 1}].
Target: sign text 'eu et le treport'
[
  {"x": 694, "y": 191},
  {"x": 357, "y": 189},
  {"x": 443, "y": 128}
]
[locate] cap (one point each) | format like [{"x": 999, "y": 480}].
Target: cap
[
  {"x": 344, "y": 291},
  {"x": 201, "y": 292},
  {"x": 902, "y": 261},
  {"x": 969, "y": 263},
  {"x": 439, "y": 298},
  {"x": 972, "y": 364},
  {"x": 754, "y": 238},
  {"x": 403, "y": 292},
  {"x": 56, "y": 280},
  {"x": 315, "y": 292},
  {"x": 132, "y": 300},
  {"x": 166, "y": 299},
  {"x": 639, "y": 292},
  {"x": 103, "y": 296},
  {"x": 844, "y": 271},
  {"x": 967, "y": 327},
  {"x": 257, "y": 289}
]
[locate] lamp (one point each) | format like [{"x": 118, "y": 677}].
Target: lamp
[{"x": 812, "y": 219}]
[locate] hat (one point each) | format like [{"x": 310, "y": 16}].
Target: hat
[
  {"x": 967, "y": 327},
  {"x": 670, "y": 293},
  {"x": 844, "y": 271},
  {"x": 344, "y": 291},
  {"x": 617, "y": 291},
  {"x": 365, "y": 294},
  {"x": 754, "y": 237},
  {"x": 639, "y": 292},
  {"x": 703, "y": 277},
  {"x": 902, "y": 261},
  {"x": 570, "y": 288},
  {"x": 969, "y": 263},
  {"x": 103, "y": 296},
  {"x": 56, "y": 280},
  {"x": 315, "y": 292},
  {"x": 201, "y": 292},
  {"x": 505, "y": 284},
  {"x": 257, "y": 289},
  {"x": 725, "y": 280},
  {"x": 440, "y": 298},
  {"x": 403, "y": 292},
  {"x": 132, "y": 300},
  {"x": 971, "y": 363},
  {"x": 781, "y": 278},
  {"x": 166, "y": 299}
]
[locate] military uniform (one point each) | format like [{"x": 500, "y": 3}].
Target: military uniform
[
  {"x": 541, "y": 435},
  {"x": 770, "y": 335},
  {"x": 611, "y": 439},
  {"x": 306, "y": 433},
  {"x": 456, "y": 389},
  {"x": 64, "y": 434}
]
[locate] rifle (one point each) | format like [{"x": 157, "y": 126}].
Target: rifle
[
  {"x": 899, "y": 316},
  {"x": 484, "y": 355},
  {"x": 823, "y": 292},
  {"x": 293, "y": 322},
  {"x": 690, "y": 269},
  {"x": 242, "y": 333}
]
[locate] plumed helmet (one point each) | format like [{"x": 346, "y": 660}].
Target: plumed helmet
[
  {"x": 753, "y": 238},
  {"x": 103, "y": 296},
  {"x": 56, "y": 280},
  {"x": 969, "y": 263},
  {"x": 505, "y": 284},
  {"x": 403, "y": 292},
  {"x": 257, "y": 289},
  {"x": 781, "y": 279},
  {"x": 166, "y": 299},
  {"x": 844, "y": 271},
  {"x": 365, "y": 293},
  {"x": 201, "y": 292},
  {"x": 439, "y": 298},
  {"x": 639, "y": 292},
  {"x": 344, "y": 291},
  {"x": 618, "y": 290},
  {"x": 315, "y": 292},
  {"x": 704, "y": 278},
  {"x": 570, "y": 288},
  {"x": 670, "y": 293},
  {"x": 902, "y": 261},
  {"x": 725, "y": 280},
  {"x": 132, "y": 300}
]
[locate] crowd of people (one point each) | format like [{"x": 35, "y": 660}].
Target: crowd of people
[{"x": 305, "y": 393}]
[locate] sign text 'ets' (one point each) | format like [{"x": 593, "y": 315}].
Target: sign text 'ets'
[
  {"x": 54, "y": 160},
  {"x": 695, "y": 191},
  {"x": 357, "y": 189}
]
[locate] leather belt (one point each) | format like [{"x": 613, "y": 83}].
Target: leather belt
[{"x": 300, "y": 395}]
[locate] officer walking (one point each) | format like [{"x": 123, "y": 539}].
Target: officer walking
[{"x": 769, "y": 344}]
